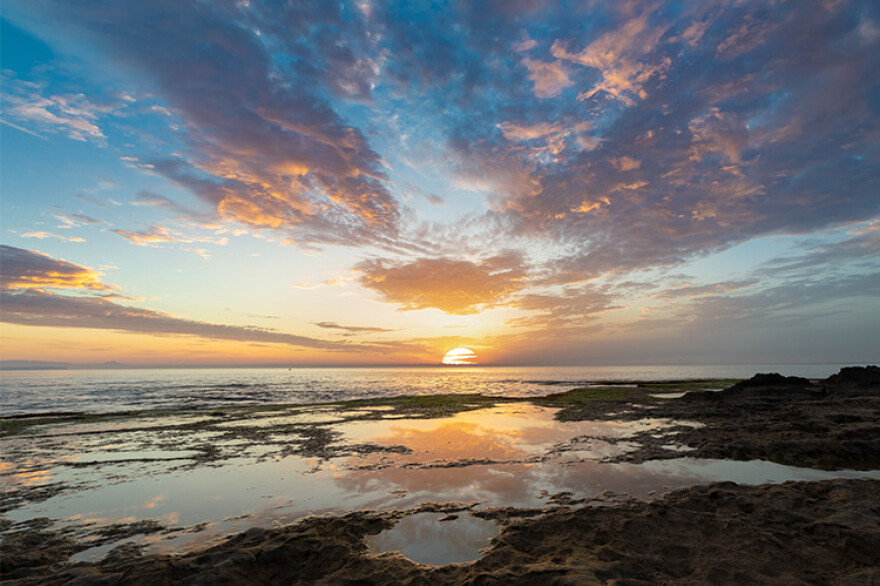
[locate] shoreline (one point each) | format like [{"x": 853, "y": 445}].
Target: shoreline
[
  {"x": 31, "y": 392},
  {"x": 822, "y": 425}
]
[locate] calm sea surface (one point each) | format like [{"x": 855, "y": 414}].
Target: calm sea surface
[{"x": 116, "y": 390}]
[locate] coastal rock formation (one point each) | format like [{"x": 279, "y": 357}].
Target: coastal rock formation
[
  {"x": 795, "y": 533},
  {"x": 830, "y": 424}
]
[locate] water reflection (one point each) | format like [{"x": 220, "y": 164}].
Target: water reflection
[
  {"x": 432, "y": 539},
  {"x": 509, "y": 433},
  {"x": 515, "y": 455}
]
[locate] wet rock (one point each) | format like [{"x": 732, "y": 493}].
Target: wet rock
[
  {"x": 30, "y": 551},
  {"x": 767, "y": 386},
  {"x": 123, "y": 553},
  {"x": 772, "y": 379},
  {"x": 118, "y": 531},
  {"x": 790, "y": 420},
  {"x": 722, "y": 533},
  {"x": 854, "y": 380}
]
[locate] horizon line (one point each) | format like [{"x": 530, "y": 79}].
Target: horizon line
[{"x": 113, "y": 365}]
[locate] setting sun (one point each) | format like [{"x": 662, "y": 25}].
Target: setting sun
[{"x": 460, "y": 356}]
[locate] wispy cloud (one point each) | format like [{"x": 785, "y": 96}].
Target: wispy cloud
[
  {"x": 155, "y": 235},
  {"x": 688, "y": 290},
  {"x": 42, "y": 235},
  {"x": 72, "y": 114},
  {"x": 574, "y": 307},
  {"x": 39, "y": 308},
  {"x": 26, "y": 276},
  {"x": 329, "y": 325},
  {"x": 150, "y": 199}
]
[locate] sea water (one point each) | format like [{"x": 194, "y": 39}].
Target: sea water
[{"x": 40, "y": 391}]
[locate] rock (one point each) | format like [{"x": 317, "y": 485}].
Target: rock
[{"x": 854, "y": 380}]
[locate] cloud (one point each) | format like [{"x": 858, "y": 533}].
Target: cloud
[
  {"x": 329, "y": 325},
  {"x": 626, "y": 163},
  {"x": 688, "y": 290},
  {"x": 454, "y": 286},
  {"x": 71, "y": 114},
  {"x": 859, "y": 252},
  {"x": 25, "y": 274},
  {"x": 101, "y": 203},
  {"x": 747, "y": 36},
  {"x": 40, "y": 235},
  {"x": 699, "y": 126},
  {"x": 76, "y": 220},
  {"x": 550, "y": 78},
  {"x": 39, "y": 308},
  {"x": 163, "y": 234},
  {"x": 28, "y": 269},
  {"x": 764, "y": 145},
  {"x": 573, "y": 307},
  {"x": 521, "y": 133},
  {"x": 150, "y": 236},
  {"x": 265, "y": 147},
  {"x": 434, "y": 199},
  {"x": 622, "y": 57},
  {"x": 524, "y": 44},
  {"x": 148, "y": 198},
  {"x": 794, "y": 301}
]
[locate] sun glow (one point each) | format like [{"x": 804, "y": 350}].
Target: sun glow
[{"x": 460, "y": 356}]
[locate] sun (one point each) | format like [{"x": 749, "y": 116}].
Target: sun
[{"x": 460, "y": 356}]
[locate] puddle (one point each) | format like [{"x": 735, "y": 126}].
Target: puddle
[
  {"x": 123, "y": 456},
  {"x": 513, "y": 455},
  {"x": 94, "y": 554},
  {"x": 668, "y": 395},
  {"x": 509, "y": 433},
  {"x": 677, "y": 448},
  {"x": 426, "y": 539}
]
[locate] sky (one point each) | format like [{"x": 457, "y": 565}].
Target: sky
[{"x": 543, "y": 183}]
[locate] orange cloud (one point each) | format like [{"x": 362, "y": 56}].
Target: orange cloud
[
  {"x": 153, "y": 235},
  {"x": 458, "y": 287},
  {"x": 621, "y": 56},
  {"x": 162, "y": 234},
  {"x": 626, "y": 163},
  {"x": 28, "y": 269},
  {"x": 549, "y": 78}
]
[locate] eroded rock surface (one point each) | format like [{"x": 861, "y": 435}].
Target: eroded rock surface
[
  {"x": 830, "y": 424},
  {"x": 816, "y": 533}
]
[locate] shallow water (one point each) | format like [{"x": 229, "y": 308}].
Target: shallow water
[
  {"x": 511, "y": 455},
  {"x": 434, "y": 539}
]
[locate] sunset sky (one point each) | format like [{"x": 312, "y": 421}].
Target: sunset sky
[{"x": 306, "y": 182}]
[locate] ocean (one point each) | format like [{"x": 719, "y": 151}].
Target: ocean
[{"x": 43, "y": 391}]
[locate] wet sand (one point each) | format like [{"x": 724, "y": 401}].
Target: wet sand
[{"x": 825, "y": 531}]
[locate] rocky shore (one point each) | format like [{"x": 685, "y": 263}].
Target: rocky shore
[
  {"x": 796, "y": 533},
  {"x": 828, "y": 424},
  {"x": 823, "y": 532}
]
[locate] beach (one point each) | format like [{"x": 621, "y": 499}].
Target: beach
[{"x": 772, "y": 479}]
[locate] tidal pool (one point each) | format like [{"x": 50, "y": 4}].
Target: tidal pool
[
  {"x": 224, "y": 480},
  {"x": 436, "y": 539}
]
